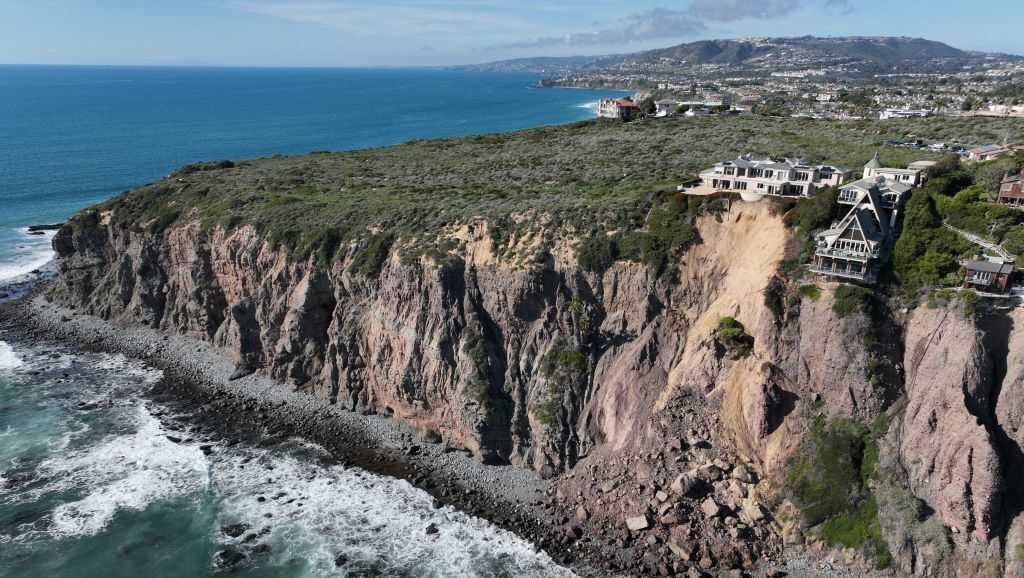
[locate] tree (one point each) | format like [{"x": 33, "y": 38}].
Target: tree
[
  {"x": 648, "y": 107},
  {"x": 991, "y": 174}
]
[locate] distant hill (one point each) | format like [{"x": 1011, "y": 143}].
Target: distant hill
[{"x": 855, "y": 55}]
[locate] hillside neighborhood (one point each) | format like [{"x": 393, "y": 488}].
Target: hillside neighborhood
[{"x": 858, "y": 246}]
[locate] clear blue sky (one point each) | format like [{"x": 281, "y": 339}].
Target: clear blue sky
[{"x": 437, "y": 32}]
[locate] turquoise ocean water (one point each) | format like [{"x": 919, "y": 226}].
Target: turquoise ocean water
[
  {"x": 73, "y": 136},
  {"x": 94, "y": 480}
]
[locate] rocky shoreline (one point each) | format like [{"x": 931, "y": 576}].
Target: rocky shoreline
[{"x": 204, "y": 383}]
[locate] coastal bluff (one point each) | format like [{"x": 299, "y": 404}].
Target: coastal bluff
[{"x": 645, "y": 354}]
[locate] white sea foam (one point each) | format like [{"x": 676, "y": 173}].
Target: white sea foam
[
  {"x": 124, "y": 472},
  {"x": 8, "y": 358},
  {"x": 32, "y": 252},
  {"x": 122, "y": 366},
  {"x": 376, "y": 523},
  {"x": 589, "y": 106}
]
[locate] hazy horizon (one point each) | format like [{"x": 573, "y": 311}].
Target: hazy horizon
[{"x": 439, "y": 33}]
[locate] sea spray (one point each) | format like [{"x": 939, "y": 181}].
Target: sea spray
[
  {"x": 8, "y": 358},
  {"x": 136, "y": 487}
]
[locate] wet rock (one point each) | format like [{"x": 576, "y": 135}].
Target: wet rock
[
  {"x": 431, "y": 529},
  {"x": 235, "y": 530},
  {"x": 229, "y": 558},
  {"x": 340, "y": 560}
]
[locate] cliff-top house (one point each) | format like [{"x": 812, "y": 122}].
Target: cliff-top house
[
  {"x": 987, "y": 275},
  {"x": 755, "y": 178},
  {"x": 856, "y": 246},
  {"x": 618, "y": 108},
  {"x": 990, "y": 152},
  {"x": 913, "y": 175},
  {"x": 1011, "y": 191}
]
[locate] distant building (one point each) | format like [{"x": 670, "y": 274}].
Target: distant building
[
  {"x": 697, "y": 112},
  {"x": 666, "y": 107},
  {"x": 909, "y": 176},
  {"x": 754, "y": 178},
  {"x": 618, "y": 108},
  {"x": 1011, "y": 191},
  {"x": 989, "y": 152},
  {"x": 891, "y": 113},
  {"x": 987, "y": 275},
  {"x": 855, "y": 247}
]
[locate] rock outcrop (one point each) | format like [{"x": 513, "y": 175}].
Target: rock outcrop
[{"x": 615, "y": 382}]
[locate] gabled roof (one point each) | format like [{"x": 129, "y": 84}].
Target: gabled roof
[
  {"x": 989, "y": 267},
  {"x": 1013, "y": 178},
  {"x": 868, "y": 216},
  {"x": 879, "y": 182},
  {"x": 874, "y": 163}
]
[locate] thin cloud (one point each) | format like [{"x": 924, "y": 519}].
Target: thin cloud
[
  {"x": 398, "y": 17},
  {"x": 654, "y": 24},
  {"x": 731, "y": 10},
  {"x": 663, "y": 23}
]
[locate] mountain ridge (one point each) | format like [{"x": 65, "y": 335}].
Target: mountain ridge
[{"x": 872, "y": 53}]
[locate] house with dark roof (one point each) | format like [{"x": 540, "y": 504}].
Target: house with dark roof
[
  {"x": 892, "y": 193},
  {"x": 1011, "y": 191},
  {"x": 856, "y": 246},
  {"x": 987, "y": 276}
]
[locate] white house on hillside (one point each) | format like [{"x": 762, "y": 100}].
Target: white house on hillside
[
  {"x": 910, "y": 176},
  {"x": 754, "y": 178}
]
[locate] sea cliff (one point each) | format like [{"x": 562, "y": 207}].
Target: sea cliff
[{"x": 692, "y": 399}]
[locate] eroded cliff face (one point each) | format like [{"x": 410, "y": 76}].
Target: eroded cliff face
[
  {"x": 535, "y": 365},
  {"x": 616, "y": 381}
]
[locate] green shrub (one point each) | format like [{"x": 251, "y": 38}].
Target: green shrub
[
  {"x": 1014, "y": 240},
  {"x": 563, "y": 359},
  {"x": 667, "y": 233},
  {"x": 596, "y": 253},
  {"x": 811, "y": 292},
  {"x": 850, "y": 299},
  {"x": 817, "y": 212},
  {"x": 828, "y": 478},
  {"x": 775, "y": 296},
  {"x": 369, "y": 261},
  {"x": 732, "y": 335},
  {"x": 968, "y": 302},
  {"x": 561, "y": 366}
]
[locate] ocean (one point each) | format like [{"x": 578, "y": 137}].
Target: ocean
[
  {"x": 71, "y": 137},
  {"x": 94, "y": 479}
]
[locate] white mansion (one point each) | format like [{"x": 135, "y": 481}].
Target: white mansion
[{"x": 754, "y": 178}]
